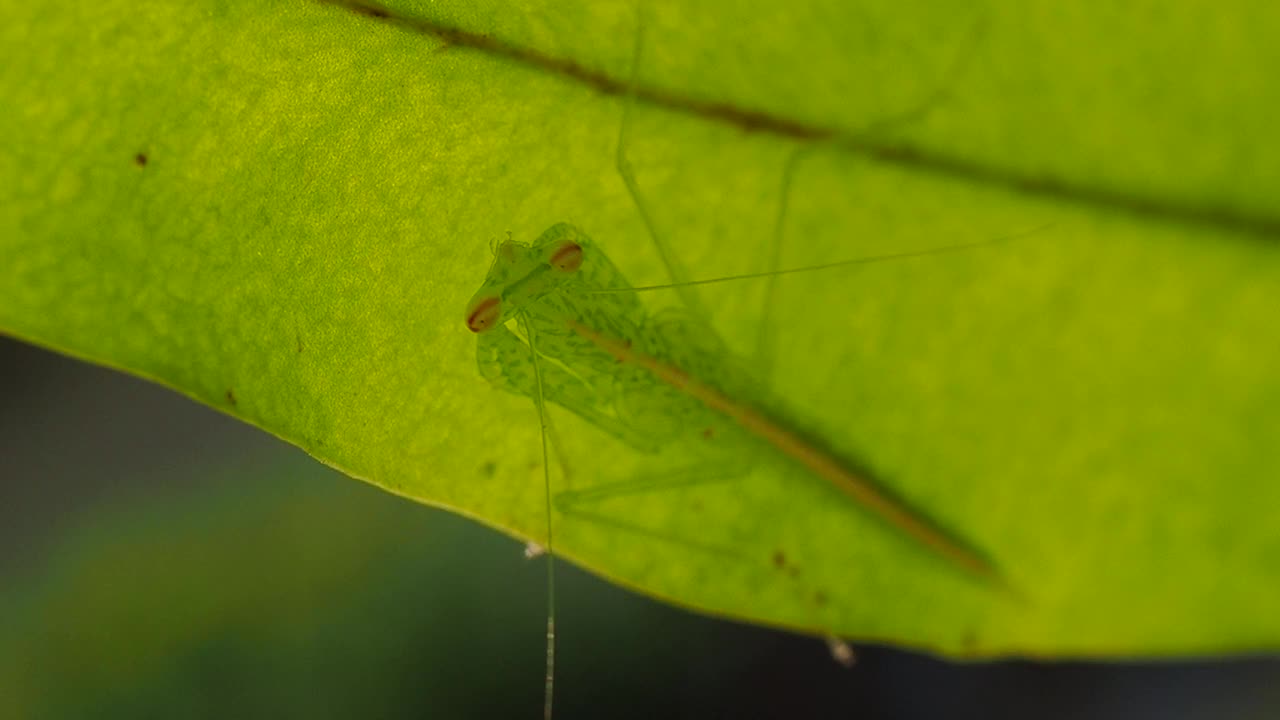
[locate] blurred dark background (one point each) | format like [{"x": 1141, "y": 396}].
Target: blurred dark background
[{"x": 160, "y": 559}]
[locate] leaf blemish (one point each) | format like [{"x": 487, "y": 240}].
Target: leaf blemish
[
  {"x": 231, "y": 397},
  {"x": 140, "y": 159},
  {"x": 370, "y": 11},
  {"x": 779, "y": 559}
]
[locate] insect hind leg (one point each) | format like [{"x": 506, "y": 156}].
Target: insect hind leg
[
  {"x": 860, "y": 139},
  {"x": 583, "y": 504},
  {"x": 586, "y": 505}
]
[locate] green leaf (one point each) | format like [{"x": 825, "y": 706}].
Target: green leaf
[{"x": 282, "y": 209}]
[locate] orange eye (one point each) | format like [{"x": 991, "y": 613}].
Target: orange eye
[
  {"x": 485, "y": 315},
  {"x": 567, "y": 257}
]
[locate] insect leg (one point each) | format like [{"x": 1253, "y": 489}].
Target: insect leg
[
  {"x": 764, "y": 340},
  {"x": 505, "y": 362},
  {"x": 919, "y": 111},
  {"x": 880, "y": 127},
  {"x": 578, "y": 504},
  {"x": 623, "y": 163}
]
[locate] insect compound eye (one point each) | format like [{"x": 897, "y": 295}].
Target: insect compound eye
[
  {"x": 567, "y": 258},
  {"x": 484, "y": 315}
]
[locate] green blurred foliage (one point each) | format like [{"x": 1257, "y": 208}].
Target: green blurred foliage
[{"x": 291, "y": 591}]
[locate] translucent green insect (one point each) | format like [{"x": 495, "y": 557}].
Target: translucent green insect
[
  {"x": 555, "y": 321},
  {"x": 583, "y": 340},
  {"x": 587, "y": 344}
]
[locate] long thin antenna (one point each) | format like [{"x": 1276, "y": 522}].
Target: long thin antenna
[
  {"x": 548, "y": 692},
  {"x": 828, "y": 266}
]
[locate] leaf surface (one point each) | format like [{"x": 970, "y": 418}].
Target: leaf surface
[{"x": 281, "y": 209}]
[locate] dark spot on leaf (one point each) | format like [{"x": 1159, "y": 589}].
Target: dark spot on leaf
[
  {"x": 370, "y": 11},
  {"x": 140, "y": 159},
  {"x": 793, "y": 571},
  {"x": 708, "y": 433},
  {"x": 779, "y": 559},
  {"x": 231, "y": 396},
  {"x": 820, "y": 599},
  {"x": 299, "y": 339},
  {"x": 969, "y": 640},
  {"x": 489, "y": 468}
]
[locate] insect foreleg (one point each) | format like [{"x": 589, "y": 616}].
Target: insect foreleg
[{"x": 505, "y": 362}]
